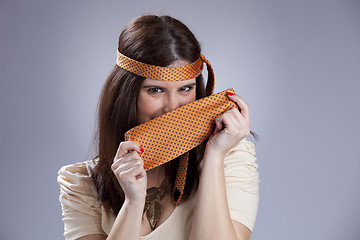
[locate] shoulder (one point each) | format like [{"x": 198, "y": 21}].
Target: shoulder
[
  {"x": 76, "y": 173},
  {"x": 75, "y": 181},
  {"x": 82, "y": 169},
  {"x": 82, "y": 214}
]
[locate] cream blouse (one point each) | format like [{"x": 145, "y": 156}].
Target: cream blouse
[{"x": 83, "y": 215}]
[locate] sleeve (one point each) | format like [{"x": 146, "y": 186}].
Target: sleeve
[
  {"x": 80, "y": 210},
  {"x": 242, "y": 183}
]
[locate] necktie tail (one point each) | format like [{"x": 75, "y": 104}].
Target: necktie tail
[
  {"x": 211, "y": 77},
  {"x": 181, "y": 178}
]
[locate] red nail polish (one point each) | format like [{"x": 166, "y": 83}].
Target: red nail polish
[
  {"x": 141, "y": 149},
  {"x": 230, "y": 93}
]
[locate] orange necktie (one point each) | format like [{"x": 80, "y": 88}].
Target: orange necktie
[{"x": 175, "y": 133}]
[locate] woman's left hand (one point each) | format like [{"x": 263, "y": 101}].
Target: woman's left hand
[{"x": 230, "y": 128}]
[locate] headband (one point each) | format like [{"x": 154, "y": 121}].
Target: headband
[{"x": 154, "y": 72}]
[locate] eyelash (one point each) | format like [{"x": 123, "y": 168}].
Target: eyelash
[
  {"x": 158, "y": 89},
  {"x": 188, "y": 88},
  {"x": 154, "y": 90}
]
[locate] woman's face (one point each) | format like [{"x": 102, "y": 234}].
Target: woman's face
[{"x": 158, "y": 97}]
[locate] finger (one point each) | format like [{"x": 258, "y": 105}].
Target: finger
[
  {"x": 138, "y": 172},
  {"x": 141, "y": 174},
  {"x": 241, "y": 122},
  {"x": 129, "y": 157},
  {"x": 234, "y": 123},
  {"x": 218, "y": 124},
  {"x": 119, "y": 167},
  {"x": 230, "y": 122},
  {"x": 235, "y": 113},
  {"x": 126, "y": 147},
  {"x": 224, "y": 121},
  {"x": 132, "y": 174},
  {"x": 244, "y": 107}
]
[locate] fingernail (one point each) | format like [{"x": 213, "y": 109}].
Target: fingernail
[
  {"x": 230, "y": 93},
  {"x": 141, "y": 149}
]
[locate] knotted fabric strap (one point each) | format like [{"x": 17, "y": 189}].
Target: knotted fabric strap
[
  {"x": 182, "y": 73},
  {"x": 175, "y": 133}
]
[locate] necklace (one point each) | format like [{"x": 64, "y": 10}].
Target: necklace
[{"x": 153, "y": 206}]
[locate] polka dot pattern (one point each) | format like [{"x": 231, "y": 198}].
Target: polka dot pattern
[
  {"x": 174, "y": 133},
  {"x": 182, "y": 73}
]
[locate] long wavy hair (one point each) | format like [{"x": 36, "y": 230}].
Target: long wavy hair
[{"x": 156, "y": 40}]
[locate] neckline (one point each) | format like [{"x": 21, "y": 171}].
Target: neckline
[
  {"x": 166, "y": 222},
  {"x": 162, "y": 224}
]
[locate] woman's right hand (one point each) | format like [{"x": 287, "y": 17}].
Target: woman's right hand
[{"x": 128, "y": 168}]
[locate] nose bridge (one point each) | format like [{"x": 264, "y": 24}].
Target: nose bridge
[{"x": 171, "y": 101}]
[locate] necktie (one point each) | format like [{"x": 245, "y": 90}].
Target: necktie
[{"x": 175, "y": 133}]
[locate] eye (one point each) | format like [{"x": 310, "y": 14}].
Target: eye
[
  {"x": 186, "y": 88},
  {"x": 154, "y": 90}
]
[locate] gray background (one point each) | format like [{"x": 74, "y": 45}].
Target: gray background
[{"x": 297, "y": 64}]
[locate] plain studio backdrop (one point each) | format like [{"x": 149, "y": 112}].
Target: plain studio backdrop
[{"x": 296, "y": 62}]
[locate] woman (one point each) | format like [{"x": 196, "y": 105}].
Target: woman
[{"x": 113, "y": 197}]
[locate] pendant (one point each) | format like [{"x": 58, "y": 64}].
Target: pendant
[{"x": 153, "y": 206}]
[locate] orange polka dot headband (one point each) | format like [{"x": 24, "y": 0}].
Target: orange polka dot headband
[{"x": 154, "y": 72}]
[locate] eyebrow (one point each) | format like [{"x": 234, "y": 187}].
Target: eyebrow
[{"x": 155, "y": 86}]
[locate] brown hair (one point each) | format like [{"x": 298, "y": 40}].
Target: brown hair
[{"x": 156, "y": 40}]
